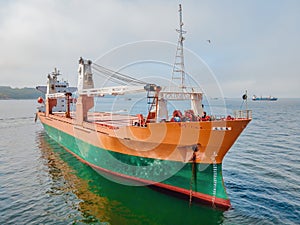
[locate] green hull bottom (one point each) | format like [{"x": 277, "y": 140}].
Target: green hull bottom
[{"x": 203, "y": 182}]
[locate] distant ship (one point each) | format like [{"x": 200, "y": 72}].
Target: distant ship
[
  {"x": 268, "y": 98},
  {"x": 179, "y": 152}
]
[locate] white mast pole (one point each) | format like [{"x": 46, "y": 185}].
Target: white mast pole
[
  {"x": 181, "y": 39},
  {"x": 178, "y": 67},
  {"x": 246, "y": 100}
]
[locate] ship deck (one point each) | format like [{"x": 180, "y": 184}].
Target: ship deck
[
  {"x": 115, "y": 120},
  {"x": 106, "y": 119},
  {"x": 111, "y": 119}
]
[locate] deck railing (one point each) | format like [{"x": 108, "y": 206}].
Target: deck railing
[{"x": 243, "y": 114}]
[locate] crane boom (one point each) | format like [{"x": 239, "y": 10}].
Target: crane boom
[{"x": 116, "y": 90}]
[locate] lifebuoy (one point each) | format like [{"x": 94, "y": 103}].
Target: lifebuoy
[{"x": 40, "y": 100}]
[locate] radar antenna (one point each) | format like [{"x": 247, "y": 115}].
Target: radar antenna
[{"x": 55, "y": 73}]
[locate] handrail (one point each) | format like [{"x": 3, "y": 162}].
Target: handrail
[{"x": 243, "y": 114}]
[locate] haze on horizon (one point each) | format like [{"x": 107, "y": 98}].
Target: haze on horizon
[{"x": 253, "y": 45}]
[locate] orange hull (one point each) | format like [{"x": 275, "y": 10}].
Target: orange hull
[
  {"x": 181, "y": 157},
  {"x": 174, "y": 141}
]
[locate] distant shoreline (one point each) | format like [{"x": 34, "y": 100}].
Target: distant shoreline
[{"x": 9, "y": 93}]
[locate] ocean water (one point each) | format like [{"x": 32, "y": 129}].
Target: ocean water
[{"x": 41, "y": 183}]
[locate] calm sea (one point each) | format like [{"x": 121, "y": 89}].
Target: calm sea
[{"x": 40, "y": 183}]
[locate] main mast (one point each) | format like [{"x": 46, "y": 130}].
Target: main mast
[{"x": 178, "y": 68}]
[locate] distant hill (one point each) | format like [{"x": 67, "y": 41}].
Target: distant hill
[{"x": 7, "y": 92}]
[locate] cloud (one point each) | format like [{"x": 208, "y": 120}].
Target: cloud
[
  {"x": 36, "y": 36},
  {"x": 254, "y": 44}
]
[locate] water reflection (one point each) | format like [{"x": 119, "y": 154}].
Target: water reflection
[{"x": 101, "y": 201}]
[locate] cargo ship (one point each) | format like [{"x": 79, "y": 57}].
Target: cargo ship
[
  {"x": 268, "y": 98},
  {"x": 178, "y": 152}
]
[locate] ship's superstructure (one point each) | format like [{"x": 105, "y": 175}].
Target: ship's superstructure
[{"x": 56, "y": 88}]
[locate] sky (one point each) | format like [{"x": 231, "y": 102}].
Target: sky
[{"x": 254, "y": 45}]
